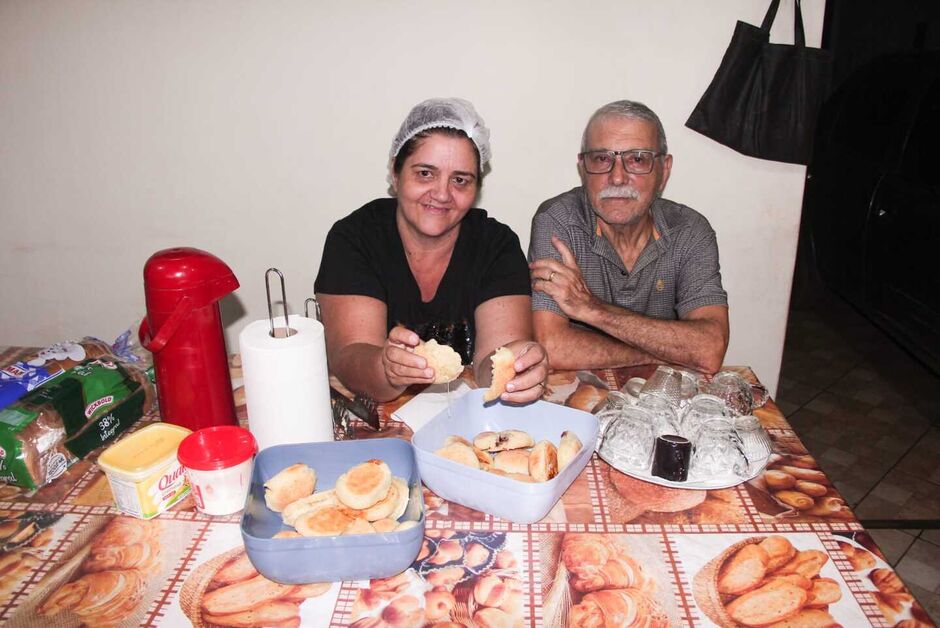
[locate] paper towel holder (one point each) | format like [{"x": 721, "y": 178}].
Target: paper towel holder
[
  {"x": 280, "y": 332},
  {"x": 316, "y": 304}
]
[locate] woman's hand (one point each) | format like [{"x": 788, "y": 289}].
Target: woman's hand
[
  {"x": 402, "y": 366},
  {"x": 531, "y": 372}
]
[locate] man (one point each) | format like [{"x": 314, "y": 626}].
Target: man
[{"x": 621, "y": 276}]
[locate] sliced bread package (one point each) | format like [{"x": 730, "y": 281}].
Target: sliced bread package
[{"x": 64, "y": 419}]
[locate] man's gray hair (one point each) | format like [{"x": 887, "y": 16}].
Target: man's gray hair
[{"x": 628, "y": 109}]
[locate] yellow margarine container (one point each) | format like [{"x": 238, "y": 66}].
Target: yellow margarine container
[{"x": 145, "y": 476}]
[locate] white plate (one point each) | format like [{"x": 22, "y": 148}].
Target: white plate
[{"x": 722, "y": 481}]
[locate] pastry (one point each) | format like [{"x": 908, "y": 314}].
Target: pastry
[
  {"x": 892, "y": 604},
  {"x": 568, "y": 448},
  {"x": 596, "y": 561},
  {"x": 859, "y": 558},
  {"x": 618, "y": 608},
  {"x": 384, "y": 525},
  {"x": 359, "y": 526},
  {"x": 443, "y": 359},
  {"x": 438, "y": 605},
  {"x": 512, "y": 439},
  {"x": 394, "y": 501},
  {"x": 307, "y": 504},
  {"x": 512, "y": 461},
  {"x": 795, "y": 499},
  {"x": 235, "y": 571},
  {"x": 460, "y": 453},
  {"x": 100, "y": 598},
  {"x": 326, "y": 521},
  {"x": 364, "y": 484},
  {"x": 290, "y": 484},
  {"x": 813, "y": 489},
  {"x": 503, "y": 371},
  {"x": 543, "y": 461},
  {"x": 586, "y": 397},
  {"x": 486, "y": 440},
  {"x": 778, "y": 480},
  {"x": 744, "y": 571},
  {"x": 404, "y": 612},
  {"x": 488, "y": 617},
  {"x": 887, "y": 581}
]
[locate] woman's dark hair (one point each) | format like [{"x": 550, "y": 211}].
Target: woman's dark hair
[{"x": 412, "y": 145}]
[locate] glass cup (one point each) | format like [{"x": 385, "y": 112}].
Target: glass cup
[
  {"x": 628, "y": 439},
  {"x": 716, "y": 451},
  {"x": 701, "y": 408},
  {"x": 734, "y": 390},
  {"x": 754, "y": 441},
  {"x": 616, "y": 400},
  {"x": 665, "y": 382},
  {"x": 665, "y": 419}
]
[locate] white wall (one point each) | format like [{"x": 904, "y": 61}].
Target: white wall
[{"x": 248, "y": 128}]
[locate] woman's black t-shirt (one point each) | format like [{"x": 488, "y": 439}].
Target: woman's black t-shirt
[{"x": 363, "y": 255}]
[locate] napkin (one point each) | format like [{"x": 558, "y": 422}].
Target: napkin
[{"x": 428, "y": 403}]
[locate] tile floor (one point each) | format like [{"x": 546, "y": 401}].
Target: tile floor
[{"x": 870, "y": 414}]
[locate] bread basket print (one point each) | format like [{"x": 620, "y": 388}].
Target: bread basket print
[
  {"x": 228, "y": 591},
  {"x": 796, "y": 484},
  {"x": 767, "y": 580}
]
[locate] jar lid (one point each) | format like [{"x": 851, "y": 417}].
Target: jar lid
[{"x": 219, "y": 447}]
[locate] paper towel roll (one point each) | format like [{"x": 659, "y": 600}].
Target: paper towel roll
[{"x": 286, "y": 382}]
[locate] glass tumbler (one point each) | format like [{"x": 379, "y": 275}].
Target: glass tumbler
[
  {"x": 754, "y": 441},
  {"x": 734, "y": 390},
  {"x": 628, "y": 439},
  {"x": 665, "y": 420},
  {"x": 716, "y": 451},
  {"x": 665, "y": 382},
  {"x": 701, "y": 408}
]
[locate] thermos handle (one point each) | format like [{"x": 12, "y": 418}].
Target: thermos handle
[{"x": 156, "y": 343}]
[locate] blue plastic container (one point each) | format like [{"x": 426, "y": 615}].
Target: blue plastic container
[
  {"x": 331, "y": 558},
  {"x": 520, "y": 502}
]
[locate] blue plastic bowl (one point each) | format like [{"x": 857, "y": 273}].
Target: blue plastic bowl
[
  {"x": 331, "y": 558},
  {"x": 520, "y": 502}
]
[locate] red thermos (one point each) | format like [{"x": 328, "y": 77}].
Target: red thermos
[{"x": 183, "y": 330}]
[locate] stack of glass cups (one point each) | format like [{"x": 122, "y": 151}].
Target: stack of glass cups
[{"x": 627, "y": 441}]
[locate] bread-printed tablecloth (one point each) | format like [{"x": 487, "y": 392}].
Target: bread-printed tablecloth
[{"x": 615, "y": 551}]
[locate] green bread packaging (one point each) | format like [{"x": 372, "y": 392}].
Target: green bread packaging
[{"x": 62, "y": 421}]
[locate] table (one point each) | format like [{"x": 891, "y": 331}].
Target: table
[{"x": 611, "y": 541}]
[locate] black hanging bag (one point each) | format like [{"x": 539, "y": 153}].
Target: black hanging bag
[{"x": 764, "y": 98}]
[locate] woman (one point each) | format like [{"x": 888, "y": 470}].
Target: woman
[{"x": 427, "y": 264}]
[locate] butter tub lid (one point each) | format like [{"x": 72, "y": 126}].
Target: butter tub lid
[{"x": 137, "y": 455}]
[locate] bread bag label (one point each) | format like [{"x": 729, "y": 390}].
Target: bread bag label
[{"x": 67, "y": 417}]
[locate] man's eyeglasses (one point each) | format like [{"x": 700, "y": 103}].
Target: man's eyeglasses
[{"x": 634, "y": 161}]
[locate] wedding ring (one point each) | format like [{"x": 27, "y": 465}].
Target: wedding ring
[{"x": 551, "y": 276}]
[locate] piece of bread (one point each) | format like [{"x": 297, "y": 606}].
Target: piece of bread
[
  {"x": 359, "y": 526},
  {"x": 795, "y": 499},
  {"x": 808, "y": 618},
  {"x": 770, "y": 603},
  {"x": 292, "y": 483},
  {"x": 244, "y": 596},
  {"x": 384, "y": 525},
  {"x": 512, "y": 461},
  {"x": 460, "y": 453},
  {"x": 327, "y": 521},
  {"x": 779, "y": 550},
  {"x": 307, "y": 504},
  {"x": 503, "y": 372},
  {"x": 443, "y": 359},
  {"x": 543, "y": 461},
  {"x": 778, "y": 480},
  {"x": 807, "y": 563},
  {"x": 394, "y": 501},
  {"x": 825, "y": 591},
  {"x": 512, "y": 439},
  {"x": 489, "y": 617},
  {"x": 568, "y": 448},
  {"x": 744, "y": 571},
  {"x": 438, "y": 604},
  {"x": 859, "y": 558},
  {"x": 364, "y": 484},
  {"x": 887, "y": 581},
  {"x": 586, "y": 397}
]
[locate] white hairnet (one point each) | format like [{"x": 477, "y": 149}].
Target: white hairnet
[{"x": 452, "y": 113}]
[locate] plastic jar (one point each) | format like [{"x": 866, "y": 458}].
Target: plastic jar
[
  {"x": 143, "y": 471},
  {"x": 218, "y": 462}
]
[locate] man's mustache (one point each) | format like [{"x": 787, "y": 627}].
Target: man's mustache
[{"x": 620, "y": 191}]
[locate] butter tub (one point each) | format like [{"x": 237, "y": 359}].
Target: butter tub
[{"x": 145, "y": 476}]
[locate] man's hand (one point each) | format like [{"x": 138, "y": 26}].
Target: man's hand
[{"x": 563, "y": 282}]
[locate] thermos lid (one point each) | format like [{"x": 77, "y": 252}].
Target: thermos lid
[
  {"x": 219, "y": 447},
  {"x": 171, "y": 274}
]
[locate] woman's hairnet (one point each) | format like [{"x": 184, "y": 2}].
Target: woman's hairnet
[{"x": 453, "y": 113}]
